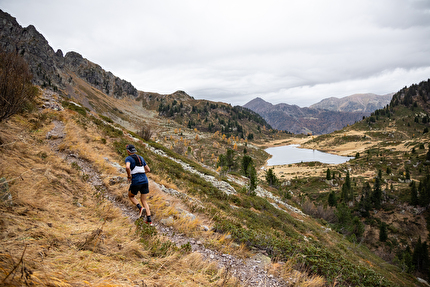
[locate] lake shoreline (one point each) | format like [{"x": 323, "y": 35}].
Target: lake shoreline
[
  {"x": 293, "y": 153},
  {"x": 302, "y": 142},
  {"x": 293, "y": 170}
]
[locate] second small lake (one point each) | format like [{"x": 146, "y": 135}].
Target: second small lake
[{"x": 293, "y": 154}]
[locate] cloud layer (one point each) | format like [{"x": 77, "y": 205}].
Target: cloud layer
[{"x": 295, "y": 52}]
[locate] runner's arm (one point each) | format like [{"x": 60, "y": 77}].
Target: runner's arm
[{"x": 128, "y": 170}]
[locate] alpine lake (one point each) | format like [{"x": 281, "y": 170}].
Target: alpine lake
[{"x": 290, "y": 154}]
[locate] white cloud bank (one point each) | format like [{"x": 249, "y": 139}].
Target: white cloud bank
[{"x": 295, "y": 52}]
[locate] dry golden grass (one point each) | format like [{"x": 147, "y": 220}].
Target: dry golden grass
[
  {"x": 67, "y": 234},
  {"x": 167, "y": 183},
  {"x": 295, "y": 274},
  {"x": 59, "y": 231}
]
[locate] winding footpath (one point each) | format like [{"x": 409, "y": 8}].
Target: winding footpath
[{"x": 249, "y": 272}]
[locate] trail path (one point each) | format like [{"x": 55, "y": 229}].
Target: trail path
[{"x": 250, "y": 272}]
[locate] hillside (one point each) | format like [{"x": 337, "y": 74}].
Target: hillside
[
  {"x": 298, "y": 120},
  {"x": 66, "y": 219},
  {"x": 387, "y": 189},
  {"x": 75, "y": 223}
]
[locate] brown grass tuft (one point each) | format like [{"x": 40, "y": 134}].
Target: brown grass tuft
[{"x": 295, "y": 274}]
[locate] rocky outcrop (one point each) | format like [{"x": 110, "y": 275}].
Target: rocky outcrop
[
  {"x": 52, "y": 69},
  {"x": 97, "y": 77},
  {"x": 27, "y": 42}
]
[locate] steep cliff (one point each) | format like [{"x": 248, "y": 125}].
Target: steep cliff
[{"x": 52, "y": 69}]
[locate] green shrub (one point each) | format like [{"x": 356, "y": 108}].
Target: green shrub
[{"x": 75, "y": 107}]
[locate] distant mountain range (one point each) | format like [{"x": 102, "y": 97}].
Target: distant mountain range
[
  {"x": 321, "y": 118},
  {"x": 367, "y": 103}
]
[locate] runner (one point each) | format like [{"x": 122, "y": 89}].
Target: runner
[{"x": 137, "y": 168}]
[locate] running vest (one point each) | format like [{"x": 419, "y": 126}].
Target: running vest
[{"x": 138, "y": 168}]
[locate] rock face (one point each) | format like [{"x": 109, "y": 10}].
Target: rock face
[
  {"x": 52, "y": 69},
  {"x": 298, "y": 120},
  {"x": 30, "y": 44},
  {"x": 97, "y": 77}
]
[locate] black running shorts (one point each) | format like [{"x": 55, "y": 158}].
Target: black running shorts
[{"x": 142, "y": 188}]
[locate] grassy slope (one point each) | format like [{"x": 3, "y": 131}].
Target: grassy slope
[
  {"x": 56, "y": 217},
  {"x": 64, "y": 230},
  {"x": 396, "y": 144}
]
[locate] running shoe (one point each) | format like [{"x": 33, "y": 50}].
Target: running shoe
[{"x": 141, "y": 211}]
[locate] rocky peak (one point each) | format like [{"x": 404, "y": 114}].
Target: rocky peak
[
  {"x": 50, "y": 68},
  {"x": 257, "y": 105},
  {"x": 181, "y": 96},
  {"x": 32, "y": 46},
  {"x": 59, "y": 53}
]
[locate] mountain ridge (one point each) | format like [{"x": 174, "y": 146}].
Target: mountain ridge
[
  {"x": 324, "y": 117},
  {"x": 52, "y": 69},
  {"x": 354, "y": 103}
]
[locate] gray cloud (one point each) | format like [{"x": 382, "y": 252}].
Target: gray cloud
[{"x": 296, "y": 52}]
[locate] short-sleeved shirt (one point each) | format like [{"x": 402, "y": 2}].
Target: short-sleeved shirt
[{"x": 137, "y": 178}]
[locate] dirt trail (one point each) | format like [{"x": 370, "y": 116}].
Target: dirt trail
[{"x": 250, "y": 272}]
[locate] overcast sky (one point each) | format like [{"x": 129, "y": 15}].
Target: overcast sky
[{"x": 294, "y": 52}]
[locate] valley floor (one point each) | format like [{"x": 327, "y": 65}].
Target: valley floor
[{"x": 326, "y": 145}]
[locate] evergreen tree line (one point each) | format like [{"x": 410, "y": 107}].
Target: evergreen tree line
[
  {"x": 229, "y": 127},
  {"x": 417, "y": 260},
  {"x": 228, "y": 163},
  {"x": 421, "y": 195},
  {"x": 348, "y": 221},
  {"x": 371, "y": 198},
  {"x": 407, "y": 96}
]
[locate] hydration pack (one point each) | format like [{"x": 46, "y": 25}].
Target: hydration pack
[{"x": 138, "y": 168}]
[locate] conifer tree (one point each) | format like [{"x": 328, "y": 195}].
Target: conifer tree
[
  {"x": 408, "y": 174},
  {"x": 425, "y": 258},
  {"x": 407, "y": 257},
  {"x": 377, "y": 194},
  {"x": 347, "y": 189},
  {"x": 246, "y": 161},
  {"x": 343, "y": 215},
  {"x": 414, "y": 194},
  {"x": 271, "y": 178},
  {"x": 383, "y": 235},
  {"x": 365, "y": 202},
  {"x": 357, "y": 227},
  {"x": 388, "y": 170},
  {"x": 328, "y": 175},
  {"x": 248, "y": 170},
  {"x": 424, "y": 191},
  {"x": 418, "y": 254},
  {"x": 332, "y": 199},
  {"x": 428, "y": 154},
  {"x": 252, "y": 178}
]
